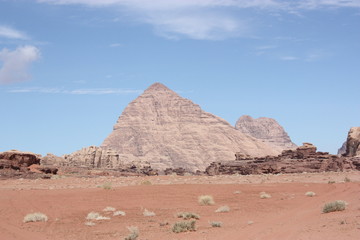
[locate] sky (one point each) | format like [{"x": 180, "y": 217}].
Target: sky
[{"x": 68, "y": 68}]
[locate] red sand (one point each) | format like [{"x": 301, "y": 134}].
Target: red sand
[{"x": 288, "y": 214}]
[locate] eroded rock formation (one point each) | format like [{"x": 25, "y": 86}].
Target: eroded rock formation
[
  {"x": 303, "y": 159},
  {"x": 172, "y": 132},
  {"x": 265, "y": 129},
  {"x": 353, "y": 142}
]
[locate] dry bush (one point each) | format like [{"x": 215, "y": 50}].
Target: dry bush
[
  {"x": 89, "y": 224},
  {"x": 188, "y": 215},
  {"x": 206, "y": 200},
  {"x": 96, "y": 216},
  {"x": 216, "y": 224},
  {"x": 223, "y": 209},
  {"x": 35, "y": 217},
  {"x": 107, "y": 186},
  {"x": 134, "y": 233},
  {"x": 264, "y": 195},
  {"x": 109, "y": 209},
  {"x": 119, "y": 213},
  {"x": 237, "y": 192},
  {"x": 146, "y": 182},
  {"x": 148, "y": 213},
  {"x": 184, "y": 226},
  {"x": 310, "y": 194},
  {"x": 338, "y": 205}
]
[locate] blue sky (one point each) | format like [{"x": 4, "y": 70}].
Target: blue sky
[{"x": 68, "y": 68}]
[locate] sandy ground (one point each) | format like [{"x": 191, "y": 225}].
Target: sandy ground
[{"x": 288, "y": 214}]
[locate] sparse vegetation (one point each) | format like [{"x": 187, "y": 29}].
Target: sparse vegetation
[
  {"x": 188, "y": 215},
  {"x": 237, "y": 192},
  {"x": 96, "y": 216},
  {"x": 331, "y": 182},
  {"x": 35, "y": 217},
  {"x": 346, "y": 179},
  {"x": 89, "y": 224},
  {"x": 310, "y": 194},
  {"x": 146, "y": 182},
  {"x": 250, "y": 222},
  {"x": 107, "y": 186},
  {"x": 119, "y": 213},
  {"x": 206, "y": 200},
  {"x": 148, "y": 213},
  {"x": 338, "y": 205},
  {"x": 216, "y": 224},
  {"x": 184, "y": 226},
  {"x": 109, "y": 209},
  {"x": 134, "y": 233},
  {"x": 264, "y": 195},
  {"x": 223, "y": 209}
]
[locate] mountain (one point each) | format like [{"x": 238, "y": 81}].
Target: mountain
[
  {"x": 267, "y": 130},
  {"x": 169, "y": 131}
]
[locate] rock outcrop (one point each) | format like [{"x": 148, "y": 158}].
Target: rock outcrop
[
  {"x": 17, "y": 159},
  {"x": 172, "y": 132},
  {"x": 342, "y": 150},
  {"x": 353, "y": 142},
  {"x": 303, "y": 159},
  {"x": 106, "y": 159},
  {"x": 265, "y": 129}
]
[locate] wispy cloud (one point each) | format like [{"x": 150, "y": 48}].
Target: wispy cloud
[
  {"x": 288, "y": 58},
  {"x": 114, "y": 45},
  {"x": 204, "y": 19},
  {"x": 16, "y": 63},
  {"x": 8, "y": 32},
  {"x": 87, "y": 91}
]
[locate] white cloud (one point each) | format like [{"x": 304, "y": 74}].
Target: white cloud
[
  {"x": 88, "y": 91},
  {"x": 8, "y": 32},
  {"x": 203, "y": 19},
  {"x": 14, "y": 65},
  {"x": 288, "y": 58}
]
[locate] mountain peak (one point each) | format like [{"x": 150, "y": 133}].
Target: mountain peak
[{"x": 157, "y": 87}]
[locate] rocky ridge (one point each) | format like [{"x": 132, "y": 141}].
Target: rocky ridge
[
  {"x": 169, "y": 131},
  {"x": 265, "y": 129},
  {"x": 353, "y": 142},
  {"x": 304, "y": 159}
]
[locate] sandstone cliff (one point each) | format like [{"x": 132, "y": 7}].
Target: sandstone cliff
[
  {"x": 265, "y": 129},
  {"x": 172, "y": 132},
  {"x": 353, "y": 142}
]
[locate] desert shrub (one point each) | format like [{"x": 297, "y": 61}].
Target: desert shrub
[
  {"x": 109, "y": 209},
  {"x": 107, "y": 186},
  {"x": 184, "y": 226},
  {"x": 96, "y": 216},
  {"x": 264, "y": 195},
  {"x": 148, "y": 213},
  {"x": 89, "y": 224},
  {"x": 119, "y": 213},
  {"x": 188, "y": 215},
  {"x": 134, "y": 233},
  {"x": 237, "y": 192},
  {"x": 35, "y": 217},
  {"x": 346, "y": 179},
  {"x": 310, "y": 194},
  {"x": 331, "y": 182},
  {"x": 338, "y": 205},
  {"x": 223, "y": 209},
  {"x": 216, "y": 224},
  {"x": 250, "y": 222},
  {"x": 146, "y": 182},
  {"x": 206, "y": 200}
]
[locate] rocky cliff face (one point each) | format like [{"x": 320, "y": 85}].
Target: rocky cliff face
[
  {"x": 353, "y": 142},
  {"x": 264, "y": 129},
  {"x": 172, "y": 132}
]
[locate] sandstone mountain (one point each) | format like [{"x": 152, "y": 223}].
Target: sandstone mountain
[
  {"x": 267, "y": 130},
  {"x": 169, "y": 131}
]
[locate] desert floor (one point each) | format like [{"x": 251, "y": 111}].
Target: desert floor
[{"x": 288, "y": 214}]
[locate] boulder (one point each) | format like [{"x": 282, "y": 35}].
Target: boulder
[{"x": 353, "y": 142}]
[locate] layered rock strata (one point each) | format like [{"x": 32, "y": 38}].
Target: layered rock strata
[
  {"x": 172, "y": 132},
  {"x": 265, "y": 129},
  {"x": 303, "y": 159}
]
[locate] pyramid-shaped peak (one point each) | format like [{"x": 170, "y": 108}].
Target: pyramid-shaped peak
[{"x": 156, "y": 87}]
